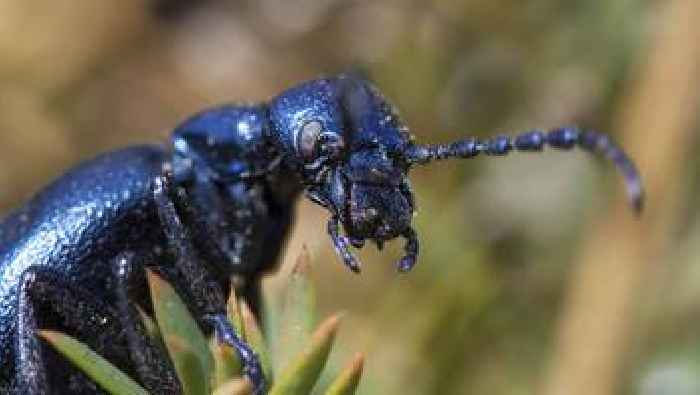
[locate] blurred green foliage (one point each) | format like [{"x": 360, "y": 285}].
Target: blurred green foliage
[{"x": 479, "y": 314}]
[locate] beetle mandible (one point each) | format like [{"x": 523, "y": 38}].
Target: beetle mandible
[{"x": 215, "y": 201}]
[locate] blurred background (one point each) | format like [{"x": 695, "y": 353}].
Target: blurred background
[{"x": 534, "y": 277}]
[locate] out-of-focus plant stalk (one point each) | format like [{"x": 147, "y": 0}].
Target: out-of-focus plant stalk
[{"x": 620, "y": 253}]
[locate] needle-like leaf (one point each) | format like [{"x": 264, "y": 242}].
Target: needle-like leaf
[
  {"x": 346, "y": 383},
  {"x": 108, "y": 376},
  {"x": 182, "y": 336},
  {"x": 301, "y": 376},
  {"x": 298, "y": 316}
]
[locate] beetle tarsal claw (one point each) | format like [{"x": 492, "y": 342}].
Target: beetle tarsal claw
[
  {"x": 357, "y": 242},
  {"x": 349, "y": 259},
  {"x": 352, "y": 263},
  {"x": 406, "y": 264},
  {"x": 342, "y": 245},
  {"x": 379, "y": 244},
  {"x": 409, "y": 260}
]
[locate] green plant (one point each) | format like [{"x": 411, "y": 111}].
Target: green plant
[{"x": 205, "y": 367}]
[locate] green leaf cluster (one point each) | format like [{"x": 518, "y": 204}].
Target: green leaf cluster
[{"x": 293, "y": 355}]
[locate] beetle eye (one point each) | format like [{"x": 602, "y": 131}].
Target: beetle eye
[{"x": 308, "y": 138}]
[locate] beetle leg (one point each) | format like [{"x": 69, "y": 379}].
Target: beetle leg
[
  {"x": 407, "y": 192},
  {"x": 409, "y": 260},
  {"x": 224, "y": 241},
  {"x": 150, "y": 362},
  {"x": 342, "y": 245},
  {"x": 317, "y": 197},
  {"x": 81, "y": 314},
  {"x": 356, "y": 242},
  {"x": 205, "y": 291},
  {"x": 379, "y": 244},
  {"x": 226, "y": 334}
]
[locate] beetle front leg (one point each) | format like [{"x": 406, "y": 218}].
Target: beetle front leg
[
  {"x": 342, "y": 245},
  {"x": 208, "y": 296},
  {"x": 226, "y": 334},
  {"x": 150, "y": 362},
  {"x": 84, "y": 316}
]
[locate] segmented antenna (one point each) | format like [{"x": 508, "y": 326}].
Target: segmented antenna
[{"x": 562, "y": 138}]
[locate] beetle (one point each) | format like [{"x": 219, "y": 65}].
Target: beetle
[{"x": 216, "y": 200}]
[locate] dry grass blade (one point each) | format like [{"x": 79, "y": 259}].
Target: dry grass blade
[{"x": 615, "y": 270}]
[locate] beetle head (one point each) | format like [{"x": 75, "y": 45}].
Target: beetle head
[{"x": 347, "y": 142}]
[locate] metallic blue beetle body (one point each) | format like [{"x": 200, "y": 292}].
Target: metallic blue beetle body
[{"x": 216, "y": 201}]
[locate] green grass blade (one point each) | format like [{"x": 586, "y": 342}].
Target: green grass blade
[
  {"x": 150, "y": 325},
  {"x": 227, "y": 366},
  {"x": 347, "y": 381},
  {"x": 303, "y": 373},
  {"x": 298, "y": 316},
  {"x": 188, "y": 367},
  {"x": 235, "y": 387},
  {"x": 97, "y": 368},
  {"x": 183, "y": 338},
  {"x": 272, "y": 312}
]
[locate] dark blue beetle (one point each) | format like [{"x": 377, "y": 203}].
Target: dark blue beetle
[{"x": 216, "y": 201}]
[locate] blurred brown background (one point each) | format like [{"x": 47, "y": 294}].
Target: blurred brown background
[{"x": 534, "y": 276}]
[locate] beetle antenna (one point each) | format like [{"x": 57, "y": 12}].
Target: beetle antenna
[{"x": 561, "y": 138}]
